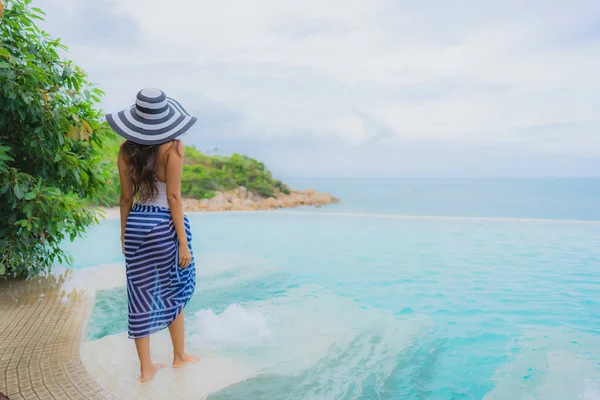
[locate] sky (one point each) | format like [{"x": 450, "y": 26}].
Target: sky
[{"x": 386, "y": 88}]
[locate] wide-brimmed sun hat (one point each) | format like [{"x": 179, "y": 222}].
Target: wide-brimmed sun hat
[{"x": 153, "y": 119}]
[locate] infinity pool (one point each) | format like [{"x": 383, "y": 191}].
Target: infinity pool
[{"x": 325, "y": 306}]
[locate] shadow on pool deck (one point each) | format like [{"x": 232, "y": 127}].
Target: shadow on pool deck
[{"x": 42, "y": 321}]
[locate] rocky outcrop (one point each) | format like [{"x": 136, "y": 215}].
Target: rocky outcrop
[{"x": 242, "y": 200}]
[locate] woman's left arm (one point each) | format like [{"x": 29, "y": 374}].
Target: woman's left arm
[{"x": 126, "y": 199}]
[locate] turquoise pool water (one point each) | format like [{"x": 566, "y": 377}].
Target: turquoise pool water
[{"x": 361, "y": 307}]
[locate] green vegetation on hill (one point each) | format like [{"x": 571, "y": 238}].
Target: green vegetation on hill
[{"x": 203, "y": 175}]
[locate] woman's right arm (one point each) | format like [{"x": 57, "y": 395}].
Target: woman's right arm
[{"x": 174, "y": 169}]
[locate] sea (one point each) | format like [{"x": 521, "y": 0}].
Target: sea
[{"x": 406, "y": 289}]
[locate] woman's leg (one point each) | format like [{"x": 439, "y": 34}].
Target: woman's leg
[
  {"x": 147, "y": 367},
  {"x": 177, "y": 331}
]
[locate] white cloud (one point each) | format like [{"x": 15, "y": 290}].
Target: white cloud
[{"x": 468, "y": 70}]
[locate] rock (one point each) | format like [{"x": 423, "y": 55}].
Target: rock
[
  {"x": 217, "y": 198},
  {"x": 241, "y": 199},
  {"x": 191, "y": 204},
  {"x": 248, "y": 203},
  {"x": 240, "y": 207},
  {"x": 301, "y": 198},
  {"x": 284, "y": 202},
  {"x": 321, "y": 198},
  {"x": 271, "y": 203}
]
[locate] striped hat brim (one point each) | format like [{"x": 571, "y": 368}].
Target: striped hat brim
[{"x": 151, "y": 129}]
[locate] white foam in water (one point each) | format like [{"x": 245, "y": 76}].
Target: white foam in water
[
  {"x": 329, "y": 340},
  {"x": 550, "y": 365},
  {"x": 235, "y": 326}
]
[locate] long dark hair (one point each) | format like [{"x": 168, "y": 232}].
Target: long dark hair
[{"x": 142, "y": 164}]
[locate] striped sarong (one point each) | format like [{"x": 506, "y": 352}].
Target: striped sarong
[{"x": 157, "y": 289}]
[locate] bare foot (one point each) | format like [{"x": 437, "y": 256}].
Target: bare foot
[
  {"x": 181, "y": 361},
  {"x": 149, "y": 374}
]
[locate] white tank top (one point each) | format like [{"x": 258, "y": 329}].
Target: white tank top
[{"x": 161, "y": 198}]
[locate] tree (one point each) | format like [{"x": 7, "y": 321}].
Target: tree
[{"x": 51, "y": 139}]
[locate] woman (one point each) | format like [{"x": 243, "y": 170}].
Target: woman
[{"x": 155, "y": 234}]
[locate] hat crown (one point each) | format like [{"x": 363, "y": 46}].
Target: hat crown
[
  {"x": 151, "y": 103},
  {"x": 153, "y": 119}
]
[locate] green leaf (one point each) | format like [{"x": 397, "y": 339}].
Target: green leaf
[
  {"x": 18, "y": 189},
  {"x": 67, "y": 72},
  {"x": 38, "y": 10},
  {"x": 30, "y": 196},
  {"x": 6, "y": 157},
  {"x": 4, "y": 64},
  {"x": 2, "y": 269}
]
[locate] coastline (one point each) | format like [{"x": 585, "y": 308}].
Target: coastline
[{"x": 241, "y": 199}]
